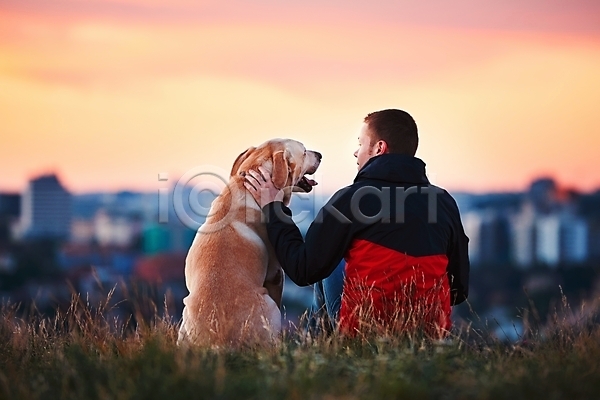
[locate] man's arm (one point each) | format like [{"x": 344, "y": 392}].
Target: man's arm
[
  {"x": 314, "y": 258},
  {"x": 458, "y": 260},
  {"x": 327, "y": 238}
]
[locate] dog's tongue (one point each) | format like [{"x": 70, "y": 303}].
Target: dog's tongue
[
  {"x": 306, "y": 184},
  {"x": 311, "y": 182}
]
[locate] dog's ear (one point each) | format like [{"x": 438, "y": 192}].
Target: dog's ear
[
  {"x": 280, "y": 173},
  {"x": 240, "y": 159}
]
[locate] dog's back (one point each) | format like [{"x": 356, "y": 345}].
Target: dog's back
[
  {"x": 226, "y": 268},
  {"x": 232, "y": 273}
]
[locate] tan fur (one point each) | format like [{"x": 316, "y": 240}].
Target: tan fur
[{"x": 232, "y": 273}]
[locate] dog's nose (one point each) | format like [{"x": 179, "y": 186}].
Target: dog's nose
[{"x": 318, "y": 155}]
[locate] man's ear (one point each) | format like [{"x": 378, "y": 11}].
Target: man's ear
[
  {"x": 240, "y": 159},
  {"x": 280, "y": 173},
  {"x": 382, "y": 147}
]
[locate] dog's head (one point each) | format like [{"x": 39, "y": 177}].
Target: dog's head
[{"x": 287, "y": 160}]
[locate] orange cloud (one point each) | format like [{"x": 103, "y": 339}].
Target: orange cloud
[{"x": 112, "y": 102}]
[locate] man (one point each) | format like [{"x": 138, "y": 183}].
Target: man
[{"x": 405, "y": 250}]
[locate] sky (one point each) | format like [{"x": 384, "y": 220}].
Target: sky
[{"x": 109, "y": 94}]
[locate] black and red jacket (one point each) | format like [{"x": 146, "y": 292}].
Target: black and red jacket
[{"x": 401, "y": 237}]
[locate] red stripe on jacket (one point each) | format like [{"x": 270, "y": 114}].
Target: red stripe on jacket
[{"x": 391, "y": 291}]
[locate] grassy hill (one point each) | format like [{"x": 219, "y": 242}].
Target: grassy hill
[{"x": 81, "y": 354}]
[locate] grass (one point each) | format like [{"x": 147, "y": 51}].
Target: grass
[{"x": 81, "y": 353}]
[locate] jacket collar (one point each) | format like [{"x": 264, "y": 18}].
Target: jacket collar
[{"x": 398, "y": 168}]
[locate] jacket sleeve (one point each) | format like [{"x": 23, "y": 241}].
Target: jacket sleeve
[
  {"x": 314, "y": 258},
  {"x": 458, "y": 261}
]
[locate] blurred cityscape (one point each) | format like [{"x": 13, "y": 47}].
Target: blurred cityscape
[
  {"x": 54, "y": 244},
  {"x": 532, "y": 246}
]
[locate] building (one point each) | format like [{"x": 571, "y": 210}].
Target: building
[
  {"x": 10, "y": 204},
  {"x": 547, "y": 249},
  {"x": 593, "y": 244},
  {"x": 562, "y": 238},
  {"x": 523, "y": 228},
  {"x": 10, "y": 209},
  {"x": 543, "y": 194},
  {"x": 45, "y": 210},
  {"x": 574, "y": 239},
  {"x": 489, "y": 237},
  {"x": 117, "y": 228},
  {"x": 165, "y": 238}
]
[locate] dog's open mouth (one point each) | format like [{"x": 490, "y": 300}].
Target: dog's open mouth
[{"x": 306, "y": 184}]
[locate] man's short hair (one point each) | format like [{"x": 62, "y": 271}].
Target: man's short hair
[{"x": 397, "y": 128}]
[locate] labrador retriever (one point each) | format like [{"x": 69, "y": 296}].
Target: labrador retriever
[{"x": 234, "y": 280}]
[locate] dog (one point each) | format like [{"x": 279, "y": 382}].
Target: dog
[{"x": 234, "y": 280}]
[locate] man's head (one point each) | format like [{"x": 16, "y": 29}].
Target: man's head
[{"x": 386, "y": 131}]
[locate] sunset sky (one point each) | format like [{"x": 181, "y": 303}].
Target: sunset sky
[{"x": 111, "y": 93}]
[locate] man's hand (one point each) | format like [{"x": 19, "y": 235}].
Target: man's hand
[{"x": 261, "y": 187}]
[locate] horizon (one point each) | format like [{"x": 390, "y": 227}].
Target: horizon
[
  {"x": 110, "y": 94},
  {"x": 317, "y": 191}
]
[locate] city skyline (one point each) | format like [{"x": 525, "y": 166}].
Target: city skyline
[
  {"x": 110, "y": 94},
  {"x": 212, "y": 185},
  {"x": 545, "y": 225}
]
